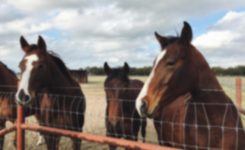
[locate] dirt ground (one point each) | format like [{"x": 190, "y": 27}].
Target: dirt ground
[{"x": 95, "y": 117}]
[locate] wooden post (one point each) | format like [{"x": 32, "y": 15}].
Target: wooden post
[
  {"x": 20, "y": 132},
  {"x": 239, "y": 92}
]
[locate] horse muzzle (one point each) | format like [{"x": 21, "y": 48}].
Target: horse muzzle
[
  {"x": 22, "y": 98},
  {"x": 142, "y": 108}
]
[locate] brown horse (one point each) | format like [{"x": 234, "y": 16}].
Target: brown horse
[
  {"x": 8, "y": 82},
  {"x": 122, "y": 119},
  {"x": 8, "y": 88},
  {"x": 47, "y": 86},
  {"x": 189, "y": 106}
]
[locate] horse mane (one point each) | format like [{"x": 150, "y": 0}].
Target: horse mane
[
  {"x": 61, "y": 65},
  {"x": 11, "y": 71}
]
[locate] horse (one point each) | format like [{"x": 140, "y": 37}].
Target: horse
[
  {"x": 8, "y": 82},
  {"x": 186, "y": 101},
  {"x": 122, "y": 119},
  {"x": 47, "y": 86},
  {"x": 8, "y": 88}
]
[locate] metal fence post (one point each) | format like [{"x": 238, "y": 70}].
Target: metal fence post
[{"x": 20, "y": 132}]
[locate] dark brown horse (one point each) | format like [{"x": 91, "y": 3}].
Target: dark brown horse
[
  {"x": 122, "y": 119},
  {"x": 8, "y": 82},
  {"x": 8, "y": 88},
  {"x": 47, "y": 86},
  {"x": 189, "y": 106}
]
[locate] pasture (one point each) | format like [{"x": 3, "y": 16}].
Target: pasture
[{"x": 95, "y": 114}]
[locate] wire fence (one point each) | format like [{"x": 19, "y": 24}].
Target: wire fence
[{"x": 97, "y": 120}]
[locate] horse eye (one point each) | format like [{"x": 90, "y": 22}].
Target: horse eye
[
  {"x": 170, "y": 63},
  {"x": 40, "y": 66}
]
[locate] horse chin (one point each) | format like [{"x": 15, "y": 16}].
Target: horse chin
[
  {"x": 144, "y": 115},
  {"x": 150, "y": 116},
  {"x": 153, "y": 113},
  {"x": 24, "y": 104}
]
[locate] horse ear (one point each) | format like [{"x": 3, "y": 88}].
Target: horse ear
[
  {"x": 24, "y": 44},
  {"x": 162, "y": 40},
  {"x": 107, "y": 68},
  {"x": 41, "y": 43},
  {"x": 186, "y": 33},
  {"x": 126, "y": 68}
]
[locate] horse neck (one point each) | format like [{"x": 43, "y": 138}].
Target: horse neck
[
  {"x": 60, "y": 83},
  {"x": 208, "y": 88}
]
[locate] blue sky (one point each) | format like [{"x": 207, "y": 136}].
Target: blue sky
[
  {"x": 202, "y": 24},
  {"x": 88, "y": 33}
]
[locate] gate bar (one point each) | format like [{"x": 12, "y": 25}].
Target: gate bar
[
  {"x": 96, "y": 138},
  {"x": 7, "y": 130},
  {"x": 20, "y": 132}
]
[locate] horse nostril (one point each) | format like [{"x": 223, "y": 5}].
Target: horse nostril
[
  {"x": 24, "y": 97},
  {"x": 21, "y": 95},
  {"x": 27, "y": 98},
  {"x": 143, "y": 108}
]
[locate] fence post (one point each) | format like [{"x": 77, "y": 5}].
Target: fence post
[
  {"x": 239, "y": 92},
  {"x": 20, "y": 132}
]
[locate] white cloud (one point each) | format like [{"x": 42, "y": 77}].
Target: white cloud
[
  {"x": 8, "y": 13},
  {"x": 230, "y": 17},
  {"x": 86, "y": 33},
  {"x": 215, "y": 39},
  {"x": 42, "y": 6},
  {"x": 224, "y": 43}
]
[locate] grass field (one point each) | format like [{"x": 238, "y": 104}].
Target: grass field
[{"x": 95, "y": 114}]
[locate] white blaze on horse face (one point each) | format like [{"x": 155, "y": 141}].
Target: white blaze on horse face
[
  {"x": 144, "y": 90},
  {"x": 24, "y": 81}
]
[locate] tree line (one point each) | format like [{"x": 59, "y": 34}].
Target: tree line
[{"x": 231, "y": 71}]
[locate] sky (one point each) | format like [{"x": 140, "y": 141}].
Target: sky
[{"x": 88, "y": 33}]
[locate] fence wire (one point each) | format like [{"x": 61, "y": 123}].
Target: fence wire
[{"x": 96, "y": 119}]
